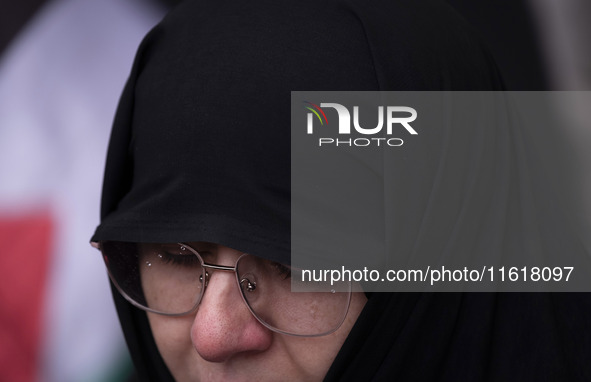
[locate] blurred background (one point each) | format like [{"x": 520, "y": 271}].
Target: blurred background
[{"x": 63, "y": 64}]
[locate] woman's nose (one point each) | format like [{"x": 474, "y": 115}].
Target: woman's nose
[{"x": 223, "y": 326}]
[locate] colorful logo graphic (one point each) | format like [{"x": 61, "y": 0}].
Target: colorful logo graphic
[{"x": 313, "y": 107}]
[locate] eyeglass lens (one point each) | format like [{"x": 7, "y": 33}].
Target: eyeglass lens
[{"x": 171, "y": 279}]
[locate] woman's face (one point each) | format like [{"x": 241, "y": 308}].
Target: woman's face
[{"x": 223, "y": 341}]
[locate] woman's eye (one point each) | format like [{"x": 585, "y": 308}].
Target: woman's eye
[{"x": 184, "y": 259}]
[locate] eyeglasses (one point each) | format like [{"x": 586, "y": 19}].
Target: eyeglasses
[{"x": 170, "y": 279}]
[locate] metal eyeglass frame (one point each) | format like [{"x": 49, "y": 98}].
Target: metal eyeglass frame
[{"x": 251, "y": 286}]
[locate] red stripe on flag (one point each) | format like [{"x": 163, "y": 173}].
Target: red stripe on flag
[{"x": 25, "y": 245}]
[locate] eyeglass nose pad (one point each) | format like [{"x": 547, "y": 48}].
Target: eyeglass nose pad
[
  {"x": 206, "y": 279},
  {"x": 248, "y": 282}
]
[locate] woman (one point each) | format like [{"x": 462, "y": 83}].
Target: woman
[{"x": 199, "y": 159}]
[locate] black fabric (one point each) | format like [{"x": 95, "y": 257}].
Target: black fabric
[
  {"x": 509, "y": 30},
  {"x": 468, "y": 337},
  {"x": 200, "y": 152}
]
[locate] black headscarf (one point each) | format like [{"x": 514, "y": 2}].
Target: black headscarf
[{"x": 200, "y": 152}]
